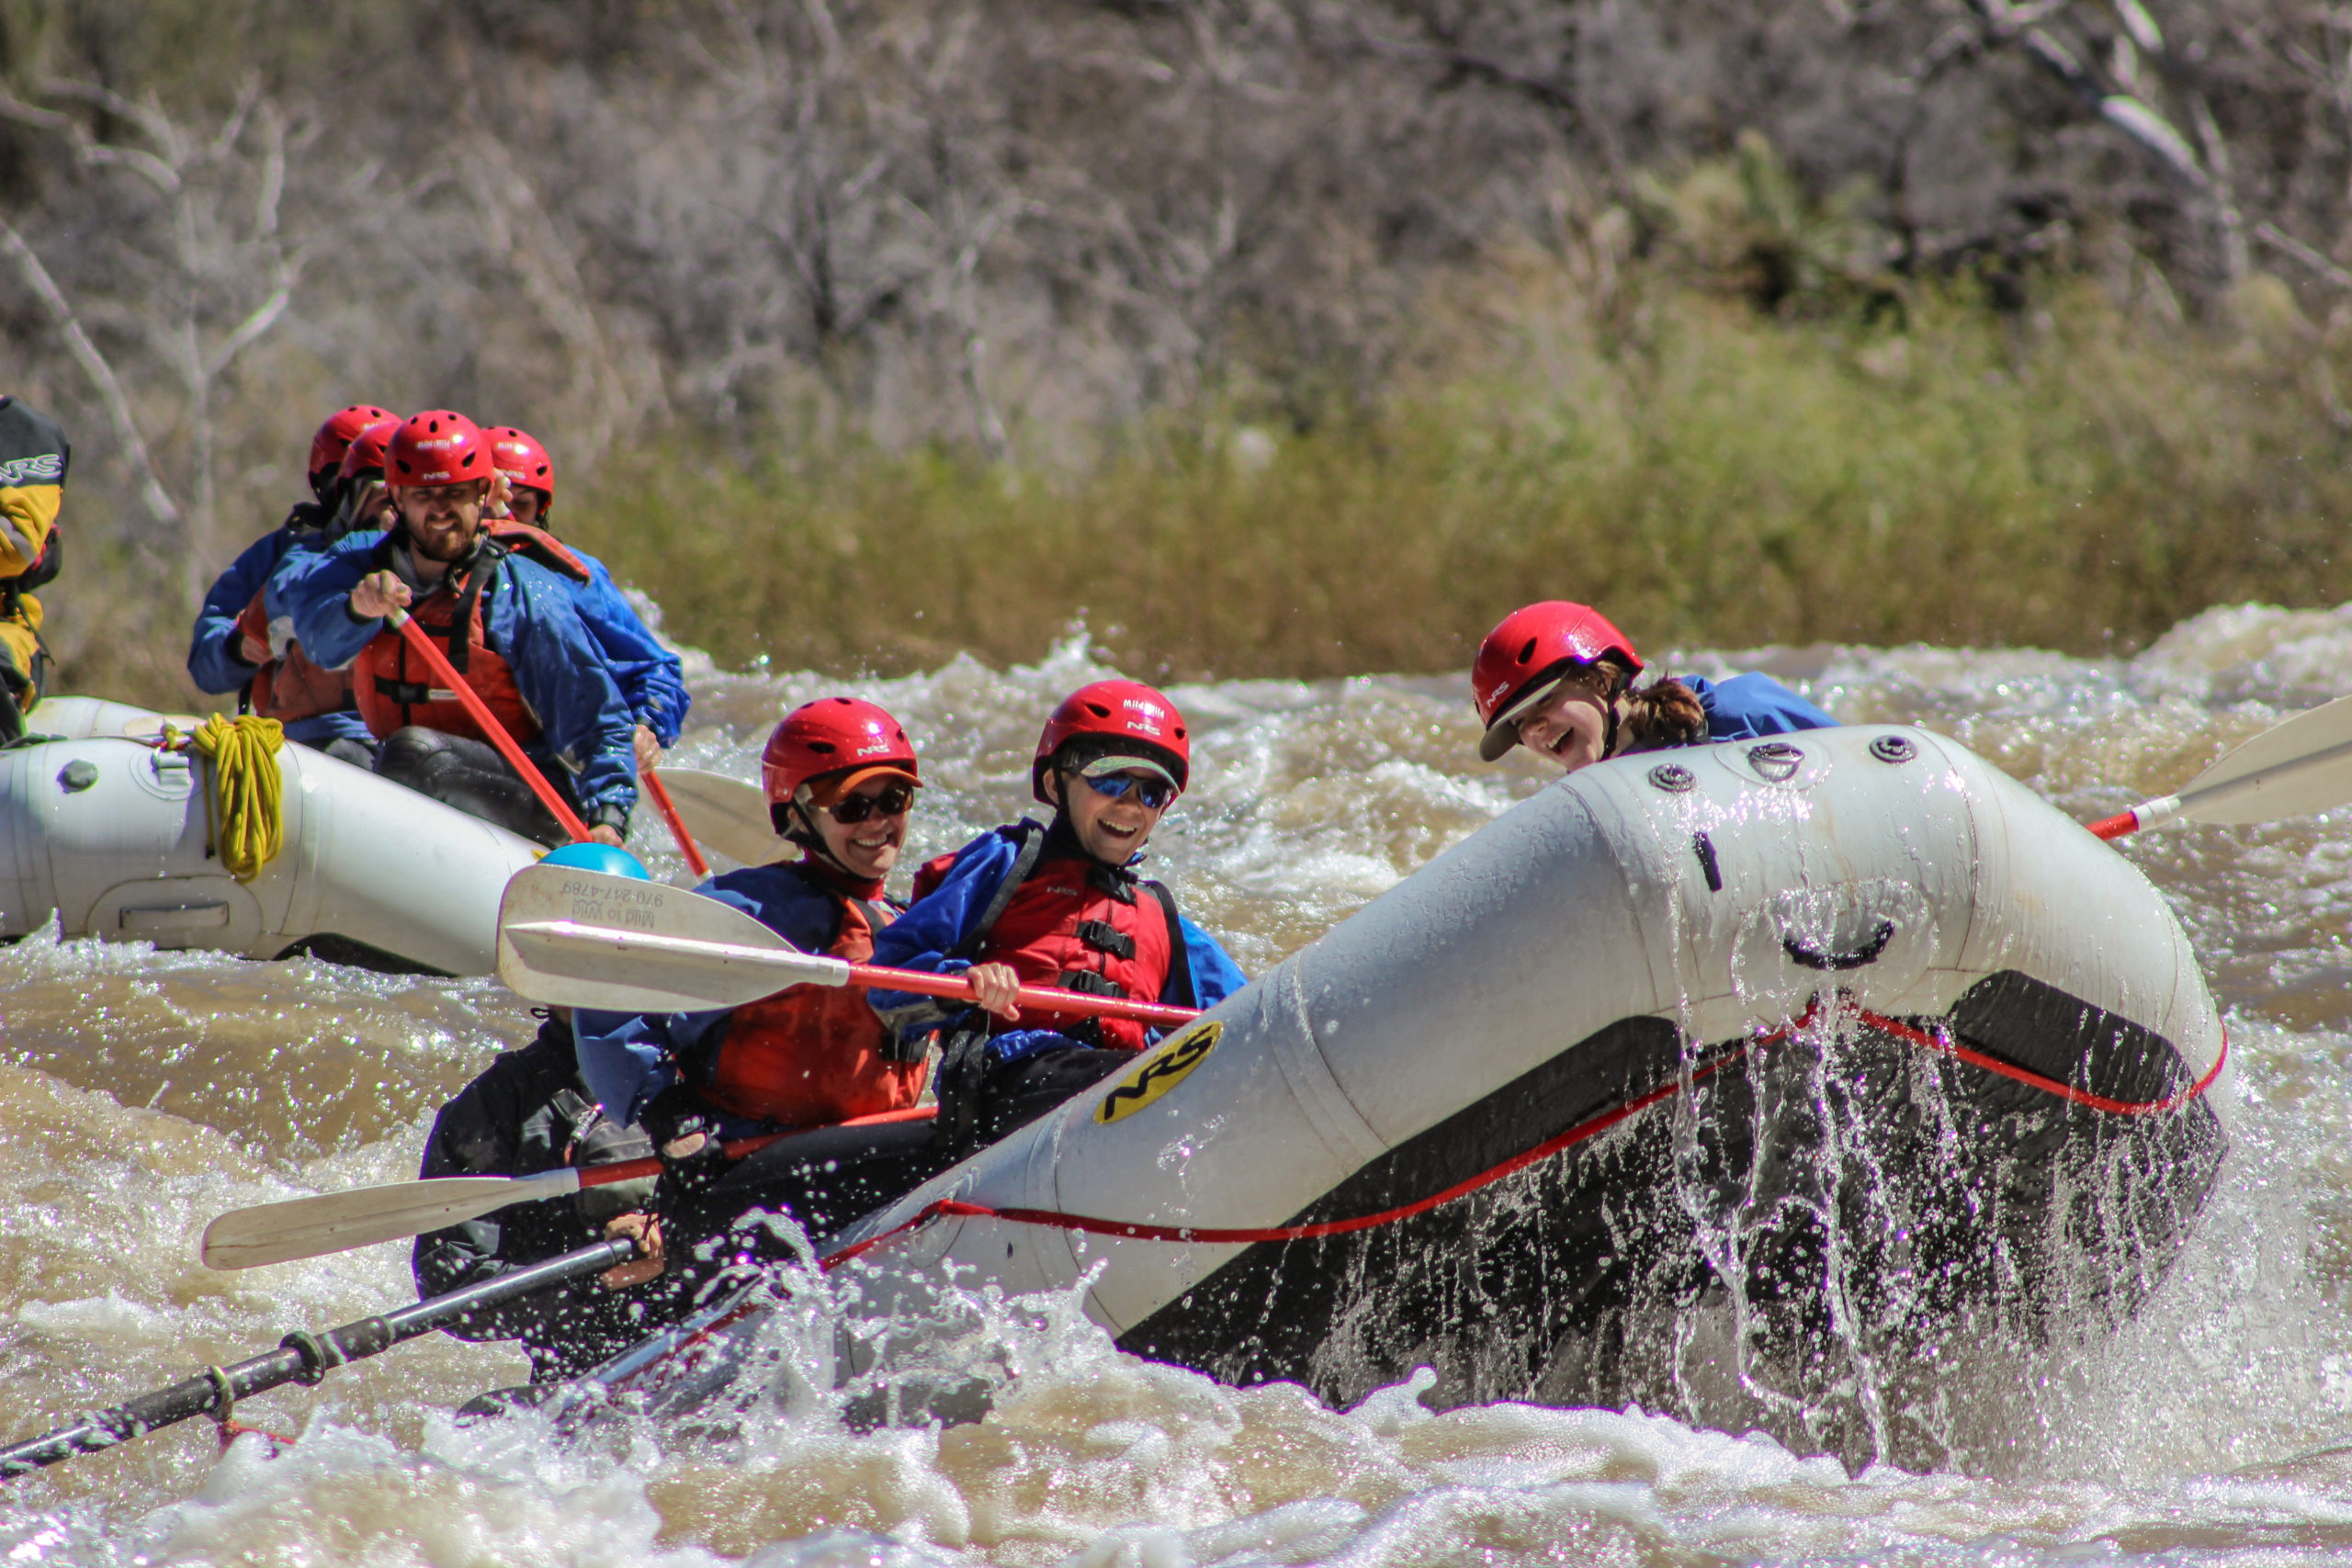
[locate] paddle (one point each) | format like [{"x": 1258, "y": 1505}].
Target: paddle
[
  {"x": 302, "y": 1357},
  {"x": 669, "y": 811},
  {"x": 488, "y": 723},
  {"x": 2290, "y": 769},
  {"x": 338, "y": 1222},
  {"x": 583, "y": 939},
  {"x": 730, "y": 815}
]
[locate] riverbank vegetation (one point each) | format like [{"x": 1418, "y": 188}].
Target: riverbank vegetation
[{"x": 2074, "y": 477}]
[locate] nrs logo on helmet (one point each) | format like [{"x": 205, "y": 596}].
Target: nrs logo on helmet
[{"x": 1114, "y": 715}]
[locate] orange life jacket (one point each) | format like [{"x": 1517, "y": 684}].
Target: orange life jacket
[
  {"x": 816, "y": 1055},
  {"x": 290, "y": 687},
  {"x": 394, "y": 686}
]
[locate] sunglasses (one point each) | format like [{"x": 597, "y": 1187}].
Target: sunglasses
[
  {"x": 852, "y": 809},
  {"x": 1152, "y": 793}
]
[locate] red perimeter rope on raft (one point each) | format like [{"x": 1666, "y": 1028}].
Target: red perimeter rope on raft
[{"x": 1133, "y": 1230}]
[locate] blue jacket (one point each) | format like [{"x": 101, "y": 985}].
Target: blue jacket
[
  {"x": 214, "y": 662},
  {"x": 628, "y": 1058},
  {"x": 934, "y": 926},
  {"x": 528, "y": 620},
  {"x": 649, "y": 674},
  {"x": 1751, "y": 706}
]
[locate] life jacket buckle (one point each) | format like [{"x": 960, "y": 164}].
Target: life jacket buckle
[
  {"x": 1087, "y": 982},
  {"x": 1104, "y": 937}
]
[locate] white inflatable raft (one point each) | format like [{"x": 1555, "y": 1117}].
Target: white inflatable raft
[
  {"x": 1893, "y": 1075},
  {"x": 109, "y": 833}
]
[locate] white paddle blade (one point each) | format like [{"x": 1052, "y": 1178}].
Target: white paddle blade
[
  {"x": 586, "y": 939},
  {"x": 2293, "y": 769},
  {"x": 728, "y": 815},
  {"x": 573, "y": 964},
  {"x": 337, "y": 1222}
]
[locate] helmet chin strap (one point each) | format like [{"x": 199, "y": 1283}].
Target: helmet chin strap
[
  {"x": 812, "y": 842},
  {"x": 1063, "y": 823}
]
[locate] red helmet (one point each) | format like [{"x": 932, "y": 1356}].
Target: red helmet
[
  {"x": 1531, "y": 648},
  {"x": 518, "y": 456},
  {"x": 334, "y": 438},
  {"x": 366, "y": 454},
  {"x": 834, "y": 735},
  {"x": 1129, "y": 717},
  {"x": 435, "y": 448}
]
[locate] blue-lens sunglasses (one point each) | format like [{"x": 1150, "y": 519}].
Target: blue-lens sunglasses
[{"x": 1153, "y": 792}]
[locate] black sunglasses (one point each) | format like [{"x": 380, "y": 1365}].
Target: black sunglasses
[
  {"x": 852, "y": 809},
  {"x": 1153, "y": 792}
]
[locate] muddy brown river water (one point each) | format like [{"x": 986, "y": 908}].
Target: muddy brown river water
[{"x": 143, "y": 1092}]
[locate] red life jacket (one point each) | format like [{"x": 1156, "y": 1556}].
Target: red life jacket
[
  {"x": 290, "y": 687},
  {"x": 817, "y": 1055},
  {"x": 1074, "y": 922},
  {"x": 394, "y": 686}
]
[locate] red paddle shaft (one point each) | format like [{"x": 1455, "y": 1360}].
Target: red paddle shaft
[
  {"x": 685, "y": 841},
  {"x": 1042, "y": 998},
  {"x": 489, "y": 725},
  {"x": 736, "y": 1148},
  {"x": 2147, "y": 813}
]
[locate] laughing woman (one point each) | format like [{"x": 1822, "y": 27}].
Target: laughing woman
[{"x": 1558, "y": 679}]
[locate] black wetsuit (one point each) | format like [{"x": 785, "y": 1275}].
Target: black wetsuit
[{"x": 529, "y": 1113}]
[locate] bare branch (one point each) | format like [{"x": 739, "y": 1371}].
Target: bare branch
[
  {"x": 149, "y": 167},
  {"x": 248, "y": 93},
  {"x": 249, "y": 331},
  {"x": 146, "y": 117},
  {"x": 273, "y": 173},
  {"x": 85, "y": 353},
  {"x": 2224, "y": 185},
  {"x": 2150, "y": 130},
  {"x": 2270, "y": 234}
]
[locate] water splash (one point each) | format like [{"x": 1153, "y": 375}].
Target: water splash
[{"x": 2178, "y": 1439}]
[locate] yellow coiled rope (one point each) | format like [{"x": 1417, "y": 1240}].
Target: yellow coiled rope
[{"x": 244, "y": 809}]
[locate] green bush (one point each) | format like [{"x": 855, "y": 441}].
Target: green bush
[{"x": 2076, "y": 478}]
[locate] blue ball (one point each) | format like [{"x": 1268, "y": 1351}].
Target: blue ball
[{"x": 599, "y": 857}]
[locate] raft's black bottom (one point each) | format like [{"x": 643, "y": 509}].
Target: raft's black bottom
[
  {"x": 329, "y": 948},
  {"x": 470, "y": 776},
  {"x": 1834, "y": 1215},
  {"x": 343, "y": 748},
  {"x": 824, "y": 1179}
]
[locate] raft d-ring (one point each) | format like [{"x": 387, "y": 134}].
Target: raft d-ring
[
  {"x": 1673, "y": 778},
  {"x": 1893, "y": 748},
  {"x": 1775, "y": 759}
]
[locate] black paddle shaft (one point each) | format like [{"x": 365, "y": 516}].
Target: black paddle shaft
[{"x": 302, "y": 1357}]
